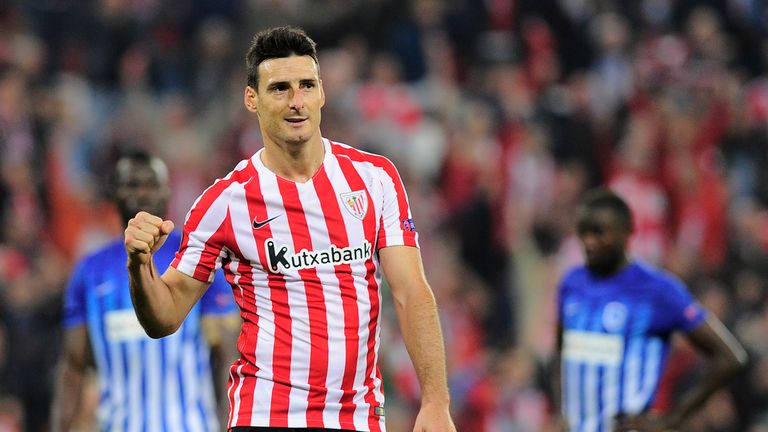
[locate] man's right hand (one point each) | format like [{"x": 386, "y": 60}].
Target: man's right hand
[{"x": 144, "y": 235}]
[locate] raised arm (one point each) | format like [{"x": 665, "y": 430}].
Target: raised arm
[
  {"x": 161, "y": 301},
  {"x": 419, "y": 324}
]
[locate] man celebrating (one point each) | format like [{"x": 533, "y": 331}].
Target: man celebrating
[
  {"x": 145, "y": 384},
  {"x": 616, "y": 317},
  {"x": 303, "y": 230}
]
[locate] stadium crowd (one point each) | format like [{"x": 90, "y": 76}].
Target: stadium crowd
[{"x": 499, "y": 115}]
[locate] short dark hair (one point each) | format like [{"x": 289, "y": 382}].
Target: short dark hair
[
  {"x": 603, "y": 198},
  {"x": 277, "y": 42},
  {"x": 137, "y": 156}
]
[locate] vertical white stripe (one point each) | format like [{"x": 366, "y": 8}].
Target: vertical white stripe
[
  {"x": 591, "y": 410},
  {"x": 572, "y": 383},
  {"x": 610, "y": 396},
  {"x": 99, "y": 345},
  {"x": 208, "y": 392},
  {"x": 235, "y": 404},
  {"x": 171, "y": 381},
  {"x": 117, "y": 417},
  {"x": 191, "y": 382},
  {"x": 236, "y": 399},
  {"x": 652, "y": 371},
  {"x": 152, "y": 364},
  {"x": 135, "y": 395},
  {"x": 377, "y": 385},
  {"x": 632, "y": 401},
  {"x": 262, "y": 395},
  {"x": 392, "y": 230}
]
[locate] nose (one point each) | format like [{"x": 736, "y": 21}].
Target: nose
[
  {"x": 588, "y": 240},
  {"x": 297, "y": 100}
]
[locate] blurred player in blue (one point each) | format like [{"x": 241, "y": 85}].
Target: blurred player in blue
[
  {"x": 616, "y": 316},
  {"x": 144, "y": 384}
]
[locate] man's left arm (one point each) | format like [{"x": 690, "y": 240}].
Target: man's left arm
[
  {"x": 221, "y": 333},
  {"x": 725, "y": 357},
  {"x": 221, "y": 326},
  {"x": 420, "y": 327}
]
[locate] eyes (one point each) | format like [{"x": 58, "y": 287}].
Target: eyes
[
  {"x": 585, "y": 228},
  {"x": 283, "y": 87}
]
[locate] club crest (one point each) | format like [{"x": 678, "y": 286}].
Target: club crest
[{"x": 356, "y": 203}]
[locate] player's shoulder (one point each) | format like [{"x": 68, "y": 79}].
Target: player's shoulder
[
  {"x": 241, "y": 173},
  {"x": 115, "y": 249},
  {"x": 341, "y": 150},
  {"x": 172, "y": 242},
  {"x": 575, "y": 276},
  {"x": 654, "y": 276}
]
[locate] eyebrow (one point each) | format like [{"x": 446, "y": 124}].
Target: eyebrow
[{"x": 287, "y": 82}]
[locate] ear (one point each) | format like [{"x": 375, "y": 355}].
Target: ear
[
  {"x": 250, "y": 99},
  {"x": 322, "y": 93}
]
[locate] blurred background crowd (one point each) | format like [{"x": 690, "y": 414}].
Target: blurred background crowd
[{"x": 499, "y": 115}]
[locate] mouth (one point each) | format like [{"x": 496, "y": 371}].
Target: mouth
[{"x": 296, "y": 121}]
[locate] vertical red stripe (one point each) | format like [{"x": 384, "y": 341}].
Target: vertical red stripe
[
  {"x": 337, "y": 232},
  {"x": 369, "y": 227},
  {"x": 283, "y": 339},
  {"x": 246, "y": 341},
  {"x": 318, "y": 320},
  {"x": 234, "y": 381},
  {"x": 238, "y": 279}
]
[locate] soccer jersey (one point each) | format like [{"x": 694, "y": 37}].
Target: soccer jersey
[
  {"x": 145, "y": 384},
  {"x": 303, "y": 263},
  {"x": 615, "y": 340}
]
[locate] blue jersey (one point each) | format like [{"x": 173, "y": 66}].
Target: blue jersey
[
  {"x": 616, "y": 334},
  {"x": 145, "y": 384}
]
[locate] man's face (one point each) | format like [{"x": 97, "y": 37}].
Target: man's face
[
  {"x": 141, "y": 186},
  {"x": 604, "y": 238},
  {"x": 288, "y": 99}
]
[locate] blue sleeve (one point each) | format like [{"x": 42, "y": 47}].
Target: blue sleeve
[
  {"x": 562, "y": 289},
  {"x": 218, "y": 299},
  {"x": 74, "y": 298},
  {"x": 677, "y": 309},
  {"x": 559, "y": 294}
]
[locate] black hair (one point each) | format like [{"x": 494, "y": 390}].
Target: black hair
[
  {"x": 602, "y": 198},
  {"x": 277, "y": 42},
  {"x": 136, "y": 155}
]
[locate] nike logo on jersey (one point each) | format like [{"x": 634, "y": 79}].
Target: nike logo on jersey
[{"x": 258, "y": 224}]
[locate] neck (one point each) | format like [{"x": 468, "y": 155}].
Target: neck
[
  {"x": 612, "y": 268},
  {"x": 294, "y": 161}
]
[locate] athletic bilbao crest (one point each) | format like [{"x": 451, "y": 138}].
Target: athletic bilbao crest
[{"x": 356, "y": 202}]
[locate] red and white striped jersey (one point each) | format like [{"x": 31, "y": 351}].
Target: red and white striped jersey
[{"x": 301, "y": 260}]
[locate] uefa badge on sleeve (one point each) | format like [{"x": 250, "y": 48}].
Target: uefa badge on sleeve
[{"x": 408, "y": 225}]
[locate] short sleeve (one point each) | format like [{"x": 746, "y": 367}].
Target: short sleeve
[
  {"x": 396, "y": 227},
  {"x": 74, "y": 298},
  {"x": 205, "y": 233},
  {"x": 218, "y": 299},
  {"x": 559, "y": 294},
  {"x": 677, "y": 309}
]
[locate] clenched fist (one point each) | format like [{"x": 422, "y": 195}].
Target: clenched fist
[{"x": 144, "y": 235}]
